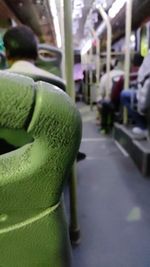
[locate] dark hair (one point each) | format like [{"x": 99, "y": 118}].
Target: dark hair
[
  {"x": 20, "y": 43},
  {"x": 137, "y": 60},
  {"x": 104, "y": 68},
  {"x": 116, "y": 62}
]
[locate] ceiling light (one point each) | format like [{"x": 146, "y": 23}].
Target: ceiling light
[
  {"x": 38, "y": 2},
  {"x": 78, "y": 4},
  {"x": 54, "y": 12},
  {"x": 86, "y": 47},
  {"x": 97, "y": 3},
  {"x": 20, "y": 4},
  {"x": 104, "y": 5},
  {"x": 75, "y": 26},
  {"x": 132, "y": 38},
  {"x": 77, "y": 14},
  {"x": 116, "y": 7},
  {"x": 43, "y": 17}
]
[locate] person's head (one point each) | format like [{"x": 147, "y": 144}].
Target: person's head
[
  {"x": 20, "y": 43},
  {"x": 137, "y": 60},
  {"x": 104, "y": 68}
]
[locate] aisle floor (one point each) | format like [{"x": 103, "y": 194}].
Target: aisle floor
[{"x": 113, "y": 204}]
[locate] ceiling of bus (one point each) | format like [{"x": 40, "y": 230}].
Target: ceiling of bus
[
  {"x": 34, "y": 13},
  {"x": 79, "y": 34},
  {"x": 37, "y": 14},
  {"x": 140, "y": 14},
  {"x": 90, "y": 17}
]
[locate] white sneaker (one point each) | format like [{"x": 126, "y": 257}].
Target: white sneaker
[{"x": 140, "y": 133}]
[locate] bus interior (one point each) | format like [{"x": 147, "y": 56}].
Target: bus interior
[{"x": 107, "y": 195}]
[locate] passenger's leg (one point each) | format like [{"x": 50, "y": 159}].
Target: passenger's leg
[
  {"x": 140, "y": 120},
  {"x": 129, "y": 100},
  {"x": 106, "y": 115},
  {"x": 103, "y": 115}
]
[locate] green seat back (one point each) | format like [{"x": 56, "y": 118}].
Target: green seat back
[
  {"x": 55, "y": 80},
  {"x": 52, "y": 61},
  {"x": 33, "y": 230}
]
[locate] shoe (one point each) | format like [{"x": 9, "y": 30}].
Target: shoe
[
  {"x": 103, "y": 131},
  {"x": 139, "y": 133},
  {"x": 81, "y": 156}
]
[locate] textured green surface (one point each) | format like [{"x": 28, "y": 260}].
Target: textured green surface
[{"x": 33, "y": 230}]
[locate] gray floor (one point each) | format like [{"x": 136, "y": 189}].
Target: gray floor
[{"x": 114, "y": 205}]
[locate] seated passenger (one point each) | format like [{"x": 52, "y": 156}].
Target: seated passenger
[
  {"x": 22, "y": 51},
  {"x": 118, "y": 84},
  {"x": 135, "y": 100},
  {"x": 104, "y": 102}
]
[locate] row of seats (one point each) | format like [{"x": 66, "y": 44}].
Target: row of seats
[{"x": 42, "y": 130}]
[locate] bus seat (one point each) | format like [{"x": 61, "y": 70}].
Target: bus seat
[
  {"x": 55, "y": 80},
  {"x": 33, "y": 230},
  {"x": 118, "y": 84},
  {"x": 49, "y": 58},
  {"x": 2, "y": 60}
]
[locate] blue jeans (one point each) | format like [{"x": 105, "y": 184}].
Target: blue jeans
[{"x": 129, "y": 100}]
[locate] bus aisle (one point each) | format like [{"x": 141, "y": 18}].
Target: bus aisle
[{"x": 113, "y": 201}]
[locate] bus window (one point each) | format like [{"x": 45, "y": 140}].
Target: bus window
[{"x": 144, "y": 42}]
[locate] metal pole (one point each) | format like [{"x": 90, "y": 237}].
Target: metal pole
[
  {"x": 86, "y": 79},
  {"x": 98, "y": 63},
  {"x": 74, "y": 225},
  {"x": 127, "y": 52},
  {"x": 62, "y": 39},
  {"x": 84, "y": 62},
  {"x": 109, "y": 38},
  {"x": 97, "y": 59},
  {"x": 97, "y": 55},
  {"x": 128, "y": 34},
  {"x": 91, "y": 75},
  {"x": 69, "y": 48}
]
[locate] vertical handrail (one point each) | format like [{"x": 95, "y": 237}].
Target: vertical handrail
[
  {"x": 62, "y": 38},
  {"x": 84, "y": 60},
  {"x": 87, "y": 78},
  {"x": 74, "y": 225},
  {"x": 95, "y": 37},
  {"x": 109, "y": 38},
  {"x": 127, "y": 51},
  {"x": 69, "y": 62},
  {"x": 127, "y": 42},
  {"x": 98, "y": 63},
  {"x": 91, "y": 75}
]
